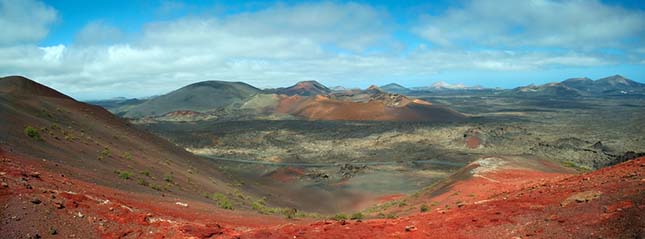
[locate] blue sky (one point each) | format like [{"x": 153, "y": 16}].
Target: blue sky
[{"x": 102, "y": 49}]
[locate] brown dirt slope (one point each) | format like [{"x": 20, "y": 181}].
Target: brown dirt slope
[
  {"x": 325, "y": 108},
  {"x": 87, "y": 142},
  {"x": 19, "y": 85}
]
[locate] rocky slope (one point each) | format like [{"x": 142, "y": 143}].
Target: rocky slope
[{"x": 86, "y": 142}]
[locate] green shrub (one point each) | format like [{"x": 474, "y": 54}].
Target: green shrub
[
  {"x": 222, "y": 201},
  {"x": 357, "y": 216},
  {"x": 168, "y": 178},
  {"x": 143, "y": 182},
  {"x": 339, "y": 217},
  {"x": 259, "y": 205},
  {"x": 239, "y": 194},
  {"x": 125, "y": 174},
  {"x": 32, "y": 132},
  {"x": 424, "y": 208},
  {"x": 156, "y": 187},
  {"x": 104, "y": 153},
  {"x": 289, "y": 213},
  {"x": 145, "y": 173}
]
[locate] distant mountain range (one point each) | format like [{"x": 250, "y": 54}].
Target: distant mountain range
[
  {"x": 435, "y": 87},
  {"x": 307, "y": 99},
  {"x": 217, "y": 95},
  {"x": 574, "y": 87}
]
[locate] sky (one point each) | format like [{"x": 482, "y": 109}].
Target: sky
[{"x": 135, "y": 48}]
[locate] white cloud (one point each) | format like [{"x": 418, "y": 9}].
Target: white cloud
[
  {"x": 583, "y": 25},
  {"x": 276, "y": 46},
  {"x": 24, "y": 21},
  {"x": 98, "y": 32},
  {"x": 53, "y": 54}
]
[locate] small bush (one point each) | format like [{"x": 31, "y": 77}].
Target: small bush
[
  {"x": 222, "y": 201},
  {"x": 125, "y": 175},
  {"x": 424, "y": 208},
  {"x": 156, "y": 187},
  {"x": 145, "y": 173},
  {"x": 339, "y": 217},
  {"x": 143, "y": 182},
  {"x": 357, "y": 216},
  {"x": 168, "y": 178},
  {"x": 32, "y": 132},
  {"x": 289, "y": 213},
  {"x": 239, "y": 194},
  {"x": 104, "y": 153}
]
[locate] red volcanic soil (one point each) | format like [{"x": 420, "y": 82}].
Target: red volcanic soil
[
  {"x": 514, "y": 200},
  {"x": 608, "y": 203},
  {"x": 37, "y": 202},
  {"x": 324, "y": 108},
  {"x": 473, "y": 142}
]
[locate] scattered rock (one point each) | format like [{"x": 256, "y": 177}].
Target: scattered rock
[
  {"x": 619, "y": 206},
  {"x": 34, "y": 175},
  {"x": 59, "y": 205},
  {"x": 36, "y": 201},
  {"x": 182, "y": 204},
  {"x": 585, "y": 196},
  {"x": 410, "y": 228},
  {"x": 5, "y": 185},
  {"x": 206, "y": 231}
]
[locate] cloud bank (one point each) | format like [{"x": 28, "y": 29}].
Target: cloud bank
[{"x": 335, "y": 43}]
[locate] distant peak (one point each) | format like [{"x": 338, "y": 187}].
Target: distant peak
[
  {"x": 374, "y": 87},
  {"x": 614, "y": 77},
  {"x": 393, "y": 85},
  {"x": 616, "y": 80},
  {"x": 577, "y": 79},
  {"x": 443, "y": 84},
  {"x": 309, "y": 85}
]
